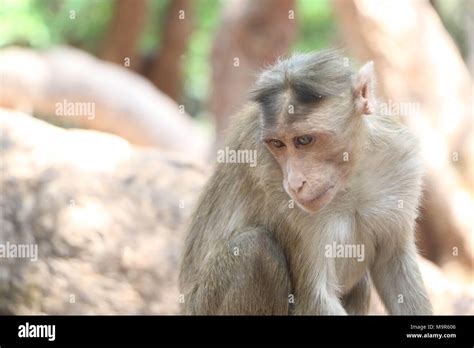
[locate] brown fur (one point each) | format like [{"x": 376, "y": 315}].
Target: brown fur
[{"x": 249, "y": 251}]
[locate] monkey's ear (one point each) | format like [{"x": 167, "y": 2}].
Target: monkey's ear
[{"x": 363, "y": 89}]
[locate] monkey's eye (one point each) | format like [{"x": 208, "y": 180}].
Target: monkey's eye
[
  {"x": 303, "y": 140},
  {"x": 276, "y": 143}
]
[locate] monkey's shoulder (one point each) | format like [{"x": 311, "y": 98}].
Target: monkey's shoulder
[
  {"x": 387, "y": 188},
  {"x": 392, "y": 151}
]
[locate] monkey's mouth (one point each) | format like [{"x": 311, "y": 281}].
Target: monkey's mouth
[{"x": 319, "y": 200}]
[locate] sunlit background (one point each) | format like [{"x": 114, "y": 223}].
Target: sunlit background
[{"x": 111, "y": 112}]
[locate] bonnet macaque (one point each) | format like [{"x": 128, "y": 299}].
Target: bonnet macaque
[{"x": 328, "y": 209}]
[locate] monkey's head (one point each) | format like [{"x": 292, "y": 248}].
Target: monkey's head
[{"x": 312, "y": 122}]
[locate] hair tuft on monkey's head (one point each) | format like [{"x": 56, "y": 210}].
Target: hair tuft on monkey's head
[{"x": 309, "y": 78}]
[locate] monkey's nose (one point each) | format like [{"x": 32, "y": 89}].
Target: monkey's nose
[{"x": 296, "y": 183}]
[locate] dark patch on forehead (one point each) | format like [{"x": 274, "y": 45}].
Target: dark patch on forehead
[
  {"x": 301, "y": 111},
  {"x": 309, "y": 79},
  {"x": 306, "y": 94},
  {"x": 296, "y": 105},
  {"x": 290, "y": 107},
  {"x": 271, "y": 102},
  {"x": 293, "y": 105},
  {"x": 300, "y": 92}
]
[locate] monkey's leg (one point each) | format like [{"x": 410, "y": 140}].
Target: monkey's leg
[
  {"x": 247, "y": 275},
  {"x": 398, "y": 281},
  {"x": 356, "y": 302}
]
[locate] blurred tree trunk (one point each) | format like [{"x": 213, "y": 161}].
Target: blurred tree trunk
[
  {"x": 251, "y": 35},
  {"x": 417, "y": 61},
  {"x": 126, "y": 26},
  {"x": 166, "y": 71},
  {"x": 124, "y": 103}
]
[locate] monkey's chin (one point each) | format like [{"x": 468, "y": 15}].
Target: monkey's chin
[{"x": 317, "y": 203}]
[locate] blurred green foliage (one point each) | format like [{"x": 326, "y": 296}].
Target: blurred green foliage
[
  {"x": 317, "y": 25},
  {"x": 84, "y": 23},
  {"x": 197, "y": 69},
  {"x": 454, "y": 14},
  {"x": 43, "y": 23}
]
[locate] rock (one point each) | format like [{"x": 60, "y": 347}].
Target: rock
[{"x": 107, "y": 219}]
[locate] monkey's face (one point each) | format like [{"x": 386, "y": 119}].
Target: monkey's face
[
  {"x": 313, "y": 165},
  {"x": 311, "y": 115}
]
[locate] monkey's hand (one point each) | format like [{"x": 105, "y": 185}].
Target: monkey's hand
[
  {"x": 357, "y": 301},
  {"x": 325, "y": 303}
]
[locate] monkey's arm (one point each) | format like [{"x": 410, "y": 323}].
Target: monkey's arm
[
  {"x": 247, "y": 275},
  {"x": 398, "y": 281}
]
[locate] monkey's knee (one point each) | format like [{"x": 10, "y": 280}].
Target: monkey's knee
[
  {"x": 247, "y": 275},
  {"x": 260, "y": 280}
]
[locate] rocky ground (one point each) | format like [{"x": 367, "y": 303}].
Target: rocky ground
[{"x": 108, "y": 219}]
